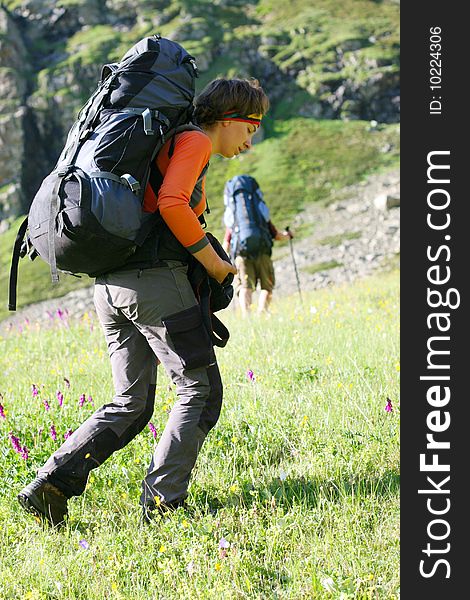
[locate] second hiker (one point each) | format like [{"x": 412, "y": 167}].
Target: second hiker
[{"x": 249, "y": 236}]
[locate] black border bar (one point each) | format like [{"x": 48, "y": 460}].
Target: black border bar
[{"x": 435, "y": 325}]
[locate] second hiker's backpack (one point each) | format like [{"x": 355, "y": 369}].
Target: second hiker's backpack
[
  {"x": 247, "y": 216},
  {"x": 87, "y": 214}
]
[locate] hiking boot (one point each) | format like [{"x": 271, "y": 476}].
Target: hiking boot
[
  {"x": 43, "y": 499},
  {"x": 149, "y": 511}
]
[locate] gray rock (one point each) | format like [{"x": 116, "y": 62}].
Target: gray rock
[{"x": 386, "y": 201}]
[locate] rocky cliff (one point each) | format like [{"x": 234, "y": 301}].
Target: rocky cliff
[{"x": 334, "y": 61}]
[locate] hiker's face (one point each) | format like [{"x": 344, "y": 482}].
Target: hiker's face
[{"x": 235, "y": 137}]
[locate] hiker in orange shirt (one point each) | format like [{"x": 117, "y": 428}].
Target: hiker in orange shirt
[{"x": 148, "y": 310}]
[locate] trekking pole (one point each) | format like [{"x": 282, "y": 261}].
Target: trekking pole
[{"x": 295, "y": 265}]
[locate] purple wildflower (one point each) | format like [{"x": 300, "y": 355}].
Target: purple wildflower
[
  {"x": 49, "y": 314},
  {"x": 81, "y": 400},
  {"x": 60, "y": 398},
  {"x": 223, "y": 543},
  {"x": 388, "y": 406},
  {"x": 84, "y": 544},
  {"x": 67, "y": 434},
  {"x": 67, "y": 382},
  {"x": 250, "y": 375},
  {"x": 153, "y": 430},
  {"x": 34, "y": 390},
  {"x": 18, "y": 448},
  {"x": 53, "y": 432},
  {"x": 15, "y": 442},
  {"x": 2, "y": 412},
  {"x": 90, "y": 400},
  {"x": 46, "y": 404}
]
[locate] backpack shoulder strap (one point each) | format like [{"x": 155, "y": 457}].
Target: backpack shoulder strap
[
  {"x": 180, "y": 129},
  {"x": 254, "y": 184},
  {"x": 187, "y": 127},
  {"x": 14, "y": 264}
]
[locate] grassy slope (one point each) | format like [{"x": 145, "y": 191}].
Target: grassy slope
[{"x": 301, "y": 475}]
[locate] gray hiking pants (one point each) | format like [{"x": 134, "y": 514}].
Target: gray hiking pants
[{"x": 146, "y": 314}]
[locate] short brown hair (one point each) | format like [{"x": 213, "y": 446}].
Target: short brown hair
[{"x": 220, "y": 96}]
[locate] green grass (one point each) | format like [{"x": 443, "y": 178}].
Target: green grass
[
  {"x": 323, "y": 266},
  {"x": 300, "y": 476},
  {"x": 338, "y": 239},
  {"x": 88, "y": 46}
]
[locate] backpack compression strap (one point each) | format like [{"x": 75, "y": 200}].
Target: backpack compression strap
[
  {"x": 53, "y": 212},
  {"x": 220, "y": 334},
  {"x": 14, "y": 265}
]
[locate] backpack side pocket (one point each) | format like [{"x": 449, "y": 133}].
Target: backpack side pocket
[{"x": 190, "y": 338}]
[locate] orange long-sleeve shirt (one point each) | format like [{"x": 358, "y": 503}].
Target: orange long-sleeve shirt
[{"x": 180, "y": 174}]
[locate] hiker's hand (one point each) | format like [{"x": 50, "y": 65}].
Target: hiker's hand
[
  {"x": 283, "y": 235},
  {"x": 214, "y": 265},
  {"x": 222, "y": 270}
]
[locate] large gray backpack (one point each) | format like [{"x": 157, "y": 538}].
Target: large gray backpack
[{"x": 86, "y": 217}]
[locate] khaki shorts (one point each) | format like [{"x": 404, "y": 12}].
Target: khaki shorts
[{"x": 254, "y": 270}]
